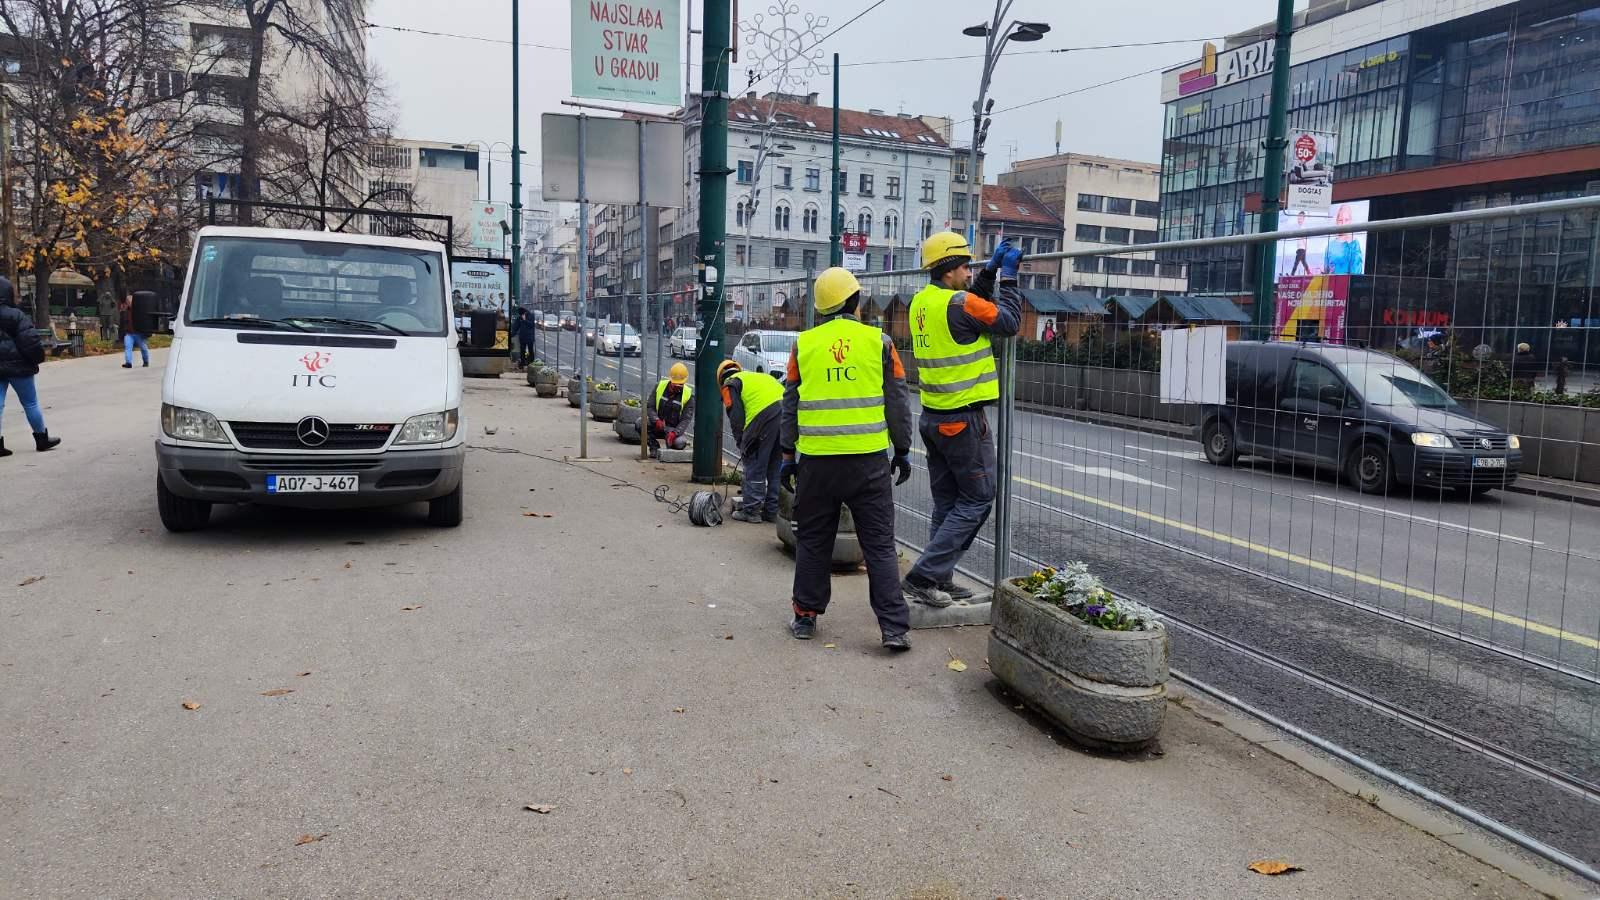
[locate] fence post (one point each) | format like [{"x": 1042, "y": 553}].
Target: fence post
[{"x": 1006, "y": 353}]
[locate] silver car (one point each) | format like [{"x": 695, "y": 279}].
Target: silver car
[
  {"x": 766, "y": 352},
  {"x": 683, "y": 343}
]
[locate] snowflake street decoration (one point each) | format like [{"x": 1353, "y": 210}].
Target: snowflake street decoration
[{"x": 781, "y": 45}]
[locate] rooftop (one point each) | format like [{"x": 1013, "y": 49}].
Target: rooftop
[
  {"x": 1016, "y": 206},
  {"x": 802, "y": 113}
]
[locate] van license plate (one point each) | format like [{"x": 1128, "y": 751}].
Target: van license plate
[
  {"x": 1486, "y": 462},
  {"x": 313, "y": 484}
]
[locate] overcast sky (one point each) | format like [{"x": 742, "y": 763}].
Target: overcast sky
[{"x": 453, "y": 89}]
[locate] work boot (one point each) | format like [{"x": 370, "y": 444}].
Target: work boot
[
  {"x": 739, "y": 515},
  {"x": 956, "y": 591},
  {"x": 926, "y": 595},
  {"x": 42, "y": 441},
  {"x": 804, "y": 628},
  {"x": 897, "y": 643},
  {"x": 769, "y": 517},
  {"x": 3, "y": 451}
]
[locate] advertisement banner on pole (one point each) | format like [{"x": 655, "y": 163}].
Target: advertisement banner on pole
[
  {"x": 477, "y": 285},
  {"x": 1313, "y": 307},
  {"x": 484, "y": 233},
  {"x": 1339, "y": 254},
  {"x": 1311, "y": 157},
  {"x": 855, "y": 251},
  {"x": 626, "y": 52}
]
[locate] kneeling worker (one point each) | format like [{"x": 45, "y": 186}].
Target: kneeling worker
[
  {"x": 672, "y": 411},
  {"x": 952, "y": 320},
  {"x": 754, "y": 402},
  {"x": 845, "y": 404}
]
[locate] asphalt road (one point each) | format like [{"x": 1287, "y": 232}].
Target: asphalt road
[{"x": 1507, "y": 721}]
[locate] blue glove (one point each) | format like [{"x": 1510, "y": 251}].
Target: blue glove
[
  {"x": 999, "y": 255},
  {"x": 786, "y": 474},
  {"x": 902, "y": 468},
  {"x": 1012, "y": 259}
]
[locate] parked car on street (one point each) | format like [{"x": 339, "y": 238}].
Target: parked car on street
[
  {"x": 315, "y": 370},
  {"x": 618, "y": 340},
  {"x": 1373, "y": 418},
  {"x": 765, "y": 351},
  {"x": 683, "y": 342}
]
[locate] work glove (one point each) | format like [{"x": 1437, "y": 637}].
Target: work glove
[
  {"x": 672, "y": 438},
  {"x": 902, "y": 468},
  {"x": 999, "y": 255},
  {"x": 786, "y": 474},
  {"x": 1012, "y": 259}
]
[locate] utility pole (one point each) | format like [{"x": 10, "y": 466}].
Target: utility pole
[
  {"x": 516, "y": 165},
  {"x": 835, "y": 249},
  {"x": 1265, "y": 308},
  {"x": 715, "y": 28}
]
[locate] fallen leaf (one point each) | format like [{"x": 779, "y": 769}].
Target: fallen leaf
[
  {"x": 530, "y": 515},
  {"x": 32, "y": 579},
  {"x": 829, "y": 646},
  {"x": 310, "y": 839},
  {"x": 956, "y": 665},
  {"x": 891, "y": 793},
  {"x": 547, "y": 516},
  {"x": 627, "y": 771},
  {"x": 679, "y": 709},
  {"x": 728, "y": 638},
  {"x": 1273, "y": 867},
  {"x": 277, "y": 692},
  {"x": 411, "y": 608},
  {"x": 303, "y": 674},
  {"x": 947, "y": 778},
  {"x": 347, "y": 565},
  {"x": 190, "y": 705},
  {"x": 541, "y": 810}
]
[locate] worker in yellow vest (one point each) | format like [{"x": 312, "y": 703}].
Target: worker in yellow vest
[
  {"x": 754, "y": 401},
  {"x": 672, "y": 411},
  {"x": 845, "y": 406},
  {"x": 952, "y": 321}
]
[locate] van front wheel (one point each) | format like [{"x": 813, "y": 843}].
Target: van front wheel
[
  {"x": 449, "y": 510},
  {"x": 1219, "y": 444},
  {"x": 1369, "y": 469},
  {"x": 180, "y": 514}
]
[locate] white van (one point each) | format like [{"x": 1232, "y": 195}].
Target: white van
[{"x": 311, "y": 369}]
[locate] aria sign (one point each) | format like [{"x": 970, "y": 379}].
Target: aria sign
[{"x": 1215, "y": 70}]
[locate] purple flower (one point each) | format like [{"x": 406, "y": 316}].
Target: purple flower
[{"x": 1094, "y": 612}]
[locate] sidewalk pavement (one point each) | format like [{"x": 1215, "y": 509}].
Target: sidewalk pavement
[{"x": 380, "y": 703}]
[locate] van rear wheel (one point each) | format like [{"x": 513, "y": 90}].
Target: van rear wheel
[
  {"x": 1369, "y": 469},
  {"x": 1220, "y": 448},
  {"x": 180, "y": 514}
]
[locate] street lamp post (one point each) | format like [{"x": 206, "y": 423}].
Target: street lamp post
[{"x": 995, "y": 37}]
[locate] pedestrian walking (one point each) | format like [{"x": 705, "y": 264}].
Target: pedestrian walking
[
  {"x": 131, "y": 336},
  {"x": 526, "y": 334},
  {"x": 21, "y": 352},
  {"x": 952, "y": 321},
  {"x": 844, "y": 404},
  {"x": 754, "y": 402}
]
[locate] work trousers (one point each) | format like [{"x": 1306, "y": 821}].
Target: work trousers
[
  {"x": 761, "y": 465},
  {"x": 862, "y": 483},
  {"x": 961, "y": 471}
]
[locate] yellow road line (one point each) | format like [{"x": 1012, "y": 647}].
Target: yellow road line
[{"x": 1308, "y": 562}]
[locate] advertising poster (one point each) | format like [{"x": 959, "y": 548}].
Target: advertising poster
[
  {"x": 1313, "y": 307},
  {"x": 855, "y": 251},
  {"x": 1339, "y": 254},
  {"x": 627, "y": 51},
  {"x": 484, "y": 233},
  {"x": 479, "y": 285},
  {"x": 1310, "y": 166}
]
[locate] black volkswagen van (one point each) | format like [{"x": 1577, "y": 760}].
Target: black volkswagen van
[{"x": 1373, "y": 418}]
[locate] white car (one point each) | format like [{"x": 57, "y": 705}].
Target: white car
[
  {"x": 617, "y": 340},
  {"x": 683, "y": 342},
  {"x": 766, "y": 352},
  {"x": 314, "y": 370},
  {"x": 550, "y": 322}
]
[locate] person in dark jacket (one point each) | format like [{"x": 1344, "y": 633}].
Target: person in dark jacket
[
  {"x": 754, "y": 402},
  {"x": 130, "y": 335},
  {"x": 526, "y": 334},
  {"x": 21, "y": 352}
]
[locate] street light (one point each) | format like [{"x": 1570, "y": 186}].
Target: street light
[
  {"x": 488, "y": 147},
  {"x": 995, "y": 38}
]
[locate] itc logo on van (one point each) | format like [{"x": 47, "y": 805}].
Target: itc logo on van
[{"x": 315, "y": 362}]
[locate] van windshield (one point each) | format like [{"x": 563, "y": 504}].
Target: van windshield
[
  {"x": 316, "y": 286},
  {"x": 1395, "y": 384}
]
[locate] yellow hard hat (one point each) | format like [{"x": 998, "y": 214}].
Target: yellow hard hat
[
  {"x": 944, "y": 246},
  {"x": 728, "y": 367},
  {"x": 834, "y": 287},
  {"x": 678, "y": 374}
]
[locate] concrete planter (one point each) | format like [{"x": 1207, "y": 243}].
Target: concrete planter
[
  {"x": 483, "y": 363},
  {"x": 1560, "y": 442},
  {"x": 1106, "y": 689},
  {"x": 545, "y": 381},
  {"x": 605, "y": 405},
  {"x": 574, "y": 388},
  {"x": 846, "y": 549},
  {"x": 627, "y": 424}
]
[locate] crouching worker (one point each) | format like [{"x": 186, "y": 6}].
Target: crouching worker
[
  {"x": 672, "y": 411},
  {"x": 754, "y": 403}
]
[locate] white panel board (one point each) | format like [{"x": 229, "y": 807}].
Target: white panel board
[
  {"x": 1192, "y": 364},
  {"x": 612, "y": 165}
]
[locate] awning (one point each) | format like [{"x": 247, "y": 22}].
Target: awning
[
  {"x": 1207, "y": 309},
  {"x": 1132, "y": 307},
  {"x": 70, "y": 278},
  {"x": 1058, "y": 303}
]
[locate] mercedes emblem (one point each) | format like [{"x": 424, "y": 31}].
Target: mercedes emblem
[{"x": 312, "y": 431}]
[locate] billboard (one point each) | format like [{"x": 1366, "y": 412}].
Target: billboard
[
  {"x": 855, "y": 251},
  {"x": 477, "y": 285},
  {"x": 1339, "y": 254},
  {"x": 610, "y": 160},
  {"x": 626, "y": 52},
  {"x": 1313, "y": 307},
  {"x": 1310, "y": 160},
  {"x": 484, "y": 234}
]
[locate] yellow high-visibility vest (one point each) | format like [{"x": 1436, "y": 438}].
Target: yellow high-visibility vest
[
  {"x": 951, "y": 375},
  {"x": 841, "y": 390},
  {"x": 661, "y": 391},
  {"x": 758, "y": 392}
]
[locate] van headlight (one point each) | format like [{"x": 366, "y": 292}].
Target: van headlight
[
  {"x": 1514, "y": 442},
  {"x": 1429, "y": 439},
  {"x": 183, "y": 424},
  {"x": 430, "y": 428}
]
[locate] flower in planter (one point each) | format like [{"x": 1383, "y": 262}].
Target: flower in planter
[
  {"x": 1079, "y": 592},
  {"x": 631, "y": 401},
  {"x": 605, "y": 386}
]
